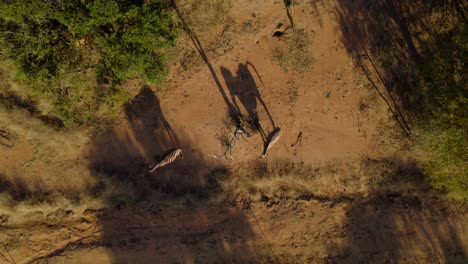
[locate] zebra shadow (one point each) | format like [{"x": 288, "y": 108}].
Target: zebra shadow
[
  {"x": 244, "y": 93},
  {"x": 123, "y": 154},
  {"x": 147, "y": 119},
  {"x": 128, "y": 148}
]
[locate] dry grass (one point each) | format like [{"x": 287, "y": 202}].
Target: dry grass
[
  {"x": 293, "y": 54},
  {"x": 333, "y": 180},
  {"x": 293, "y": 92},
  {"x": 42, "y": 161},
  {"x": 279, "y": 179},
  {"x": 201, "y": 15},
  {"x": 291, "y": 180},
  {"x": 258, "y": 181},
  {"x": 210, "y": 23}
]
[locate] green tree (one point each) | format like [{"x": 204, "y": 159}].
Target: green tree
[{"x": 78, "y": 52}]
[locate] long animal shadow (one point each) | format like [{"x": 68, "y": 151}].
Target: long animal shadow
[
  {"x": 129, "y": 150},
  {"x": 232, "y": 109},
  {"x": 243, "y": 91},
  {"x": 146, "y": 115},
  {"x": 125, "y": 153}
]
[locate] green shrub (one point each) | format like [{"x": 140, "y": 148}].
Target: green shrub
[
  {"x": 444, "y": 152},
  {"x": 77, "y": 53},
  {"x": 442, "y": 128},
  {"x": 444, "y": 77},
  {"x": 429, "y": 83}
]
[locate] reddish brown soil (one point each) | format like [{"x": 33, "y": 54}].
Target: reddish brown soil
[
  {"x": 379, "y": 229},
  {"x": 342, "y": 122}
]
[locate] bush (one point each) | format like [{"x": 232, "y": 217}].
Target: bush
[
  {"x": 444, "y": 152},
  {"x": 77, "y": 53},
  {"x": 442, "y": 130},
  {"x": 427, "y": 75}
]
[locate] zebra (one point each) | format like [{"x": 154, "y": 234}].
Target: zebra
[
  {"x": 168, "y": 158},
  {"x": 272, "y": 139}
]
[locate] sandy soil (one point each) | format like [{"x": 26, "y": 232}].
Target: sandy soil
[{"x": 335, "y": 113}]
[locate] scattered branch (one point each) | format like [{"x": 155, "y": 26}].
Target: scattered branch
[
  {"x": 10, "y": 259},
  {"x": 239, "y": 131},
  {"x": 63, "y": 246}
]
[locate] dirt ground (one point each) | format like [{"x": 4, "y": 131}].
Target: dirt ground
[
  {"x": 333, "y": 121},
  {"x": 375, "y": 230}
]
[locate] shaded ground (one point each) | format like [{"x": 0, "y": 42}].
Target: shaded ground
[{"x": 383, "y": 229}]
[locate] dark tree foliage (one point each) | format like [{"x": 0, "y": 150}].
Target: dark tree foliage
[
  {"x": 51, "y": 41},
  {"x": 418, "y": 51}
]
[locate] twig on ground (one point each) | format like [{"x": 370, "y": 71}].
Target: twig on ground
[
  {"x": 64, "y": 246},
  {"x": 239, "y": 131},
  {"x": 10, "y": 259}
]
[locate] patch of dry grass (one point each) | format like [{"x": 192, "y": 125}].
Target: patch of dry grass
[
  {"x": 293, "y": 53},
  {"x": 356, "y": 178},
  {"x": 201, "y": 15},
  {"x": 291, "y": 180},
  {"x": 210, "y": 22},
  {"x": 42, "y": 161}
]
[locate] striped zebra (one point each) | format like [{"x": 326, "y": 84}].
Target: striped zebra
[
  {"x": 272, "y": 139},
  {"x": 168, "y": 158}
]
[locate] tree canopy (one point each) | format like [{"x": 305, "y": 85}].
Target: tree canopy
[{"x": 58, "y": 46}]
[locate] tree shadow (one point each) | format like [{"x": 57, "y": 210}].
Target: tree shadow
[
  {"x": 401, "y": 220},
  {"x": 244, "y": 91},
  {"x": 125, "y": 153},
  {"x": 172, "y": 235},
  {"x": 11, "y": 100},
  {"x": 389, "y": 228},
  {"x": 34, "y": 190},
  {"x": 392, "y": 41},
  {"x": 145, "y": 114},
  {"x": 20, "y": 190}
]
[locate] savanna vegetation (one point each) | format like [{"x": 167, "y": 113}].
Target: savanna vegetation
[
  {"x": 77, "y": 54},
  {"x": 442, "y": 130},
  {"x": 88, "y": 105},
  {"x": 437, "y": 97},
  {"x": 418, "y": 50}
]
